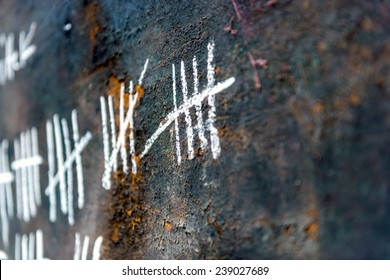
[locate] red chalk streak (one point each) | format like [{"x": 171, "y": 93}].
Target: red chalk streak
[{"x": 239, "y": 18}]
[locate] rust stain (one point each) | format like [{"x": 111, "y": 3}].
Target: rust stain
[
  {"x": 368, "y": 25},
  {"x": 354, "y": 99},
  {"x": 318, "y": 108},
  {"x": 94, "y": 27},
  {"x": 237, "y": 136},
  {"x": 115, "y": 234},
  {"x": 217, "y": 227},
  {"x": 287, "y": 230},
  {"x": 127, "y": 194},
  {"x": 311, "y": 231},
  {"x": 167, "y": 225}
]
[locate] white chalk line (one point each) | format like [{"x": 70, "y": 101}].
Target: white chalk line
[
  {"x": 64, "y": 176},
  {"x": 96, "y": 248},
  {"x": 24, "y": 247},
  {"x": 214, "y": 138},
  {"x": 26, "y": 167},
  {"x": 15, "y": 60},
  {"x": 3, "y": 255},
  {"x": 81, "y": 253},
  {"x": 4, "y": 219},
  {"x": 132, "y": 103},
  {"x": 19, "y": 193},
  {"x": 84, "y": 252},
  {"x": 35, "y": 172},
  {"x": 30, "y": 179},
  {"x": 121, "y": 120},
  {"x": 25, "y": 194},
  {"x": 69, "y": 172},
  {"x": 77, "y": 251},
  {"x": 60, "y": 164},
  {"x": 79, "y": 163},
  {"x": 190, "y": 136},
  {"x": 69, "y": 161},
  {"x": 198, "y": 106},
  {"x": 106, "y": 143},
  {"x": 51, "y": 171},
  {"x": 7, "y": 177},
  {"x": 17, "y": 246},
  {"x": 6, "y": 199},
  {"x": 177, "y": 136},
  {"x": 113, "y": 127},
  {"x": 125, "y": 122},
  {"x": 29, "y": 246},
  {"x": 219, "y": 87}
]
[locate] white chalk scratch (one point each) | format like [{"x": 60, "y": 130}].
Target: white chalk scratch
[
  {"x": 96, "y": 248},
  {"x": 214, "y": 138},
  {"x": 219, "y": 87},
  {"x": 3, "y": 255},
  {"x": 17, "y": 246},
  {"x": 126, "y": 124},
  {"x": 64, "y": 175},
  {"x": 84, "y": 252},
  {"x": 77, "y": 252},
  {"x": 51, "y": 172},
  {"x": 81, "y": 253},
  {"x": 14, "y": 60},
  {"x": 132, "y": 103},
  {"x": 29, "y": 246},
  {"x": 177, "y": 136},
  {"x": 26, "y": 166},
  {"x": 198, "y": 106},
  {"x": 208, "y": 93},
  {"x": 190, "y": 136},
  {"x": 6, "y": 196}
]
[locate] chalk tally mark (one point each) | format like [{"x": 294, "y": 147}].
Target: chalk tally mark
[
  {"x": 196, "y": 100},
  {"x": 26, "y": 168},
  {"x": 126, "y": 124},
  {"x": 61, "y": 155},
  {"x": 6, "y": 196},
  {"x": 81, "y": 252},
  {"x": 114, "y": 145},
  {"x": 14, "y": 59},
  {"x": 29, "y": 246},
  {"x": 3, "y": 255}
]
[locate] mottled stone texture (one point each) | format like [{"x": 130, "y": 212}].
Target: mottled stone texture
[{"x": 305, "y": 162}]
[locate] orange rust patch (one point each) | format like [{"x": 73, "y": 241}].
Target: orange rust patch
[
  {"x": 354, "y": 99},
  {"x": 322, "y": 46},
  {"x": 265, "y": 222},
  {"x": 167, "y": 225},
  {"x": 237, "y": 136},
  {"x": 217, "y": 70},
  {"x": 368, "y": 25},
  {"x": 318, "y": 107},
  {"x": 287, "y": 230},
  {"x": 115, "y": 234},
  {"x": 114, "y": 88},
  {"x": 141, "y": 91},
  {"x": 217, "y": 227},
  {"x": 94, "y": 27},
  {"x": 312, "y": 231}
]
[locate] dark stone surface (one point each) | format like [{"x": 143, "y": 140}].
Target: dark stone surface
[{"x": 303, "y": 172}]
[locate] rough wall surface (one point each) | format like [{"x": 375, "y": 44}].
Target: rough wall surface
[{"x": 304, "y": 129}]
